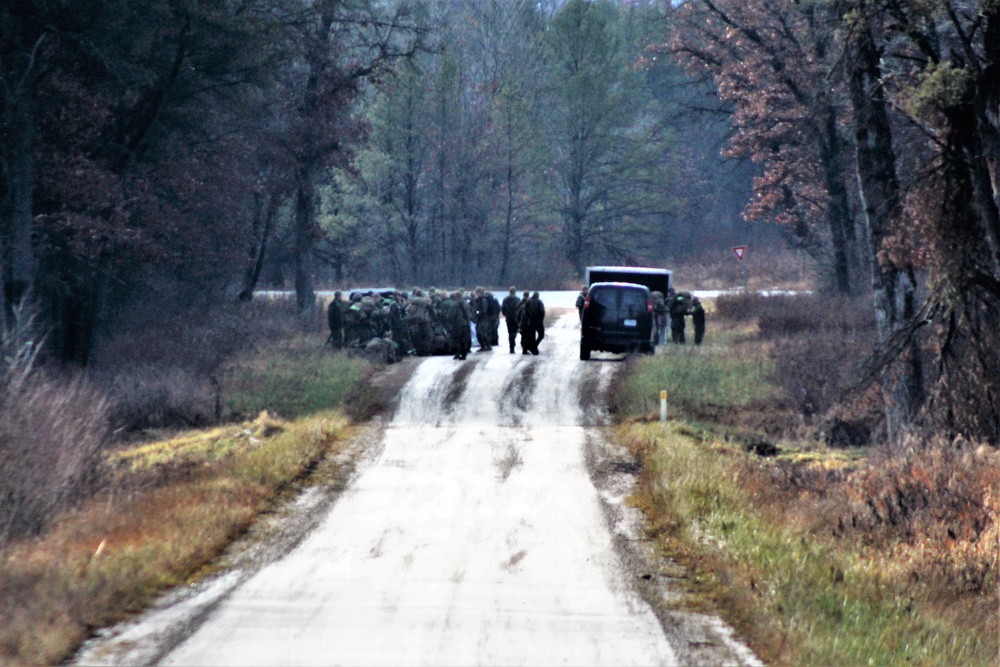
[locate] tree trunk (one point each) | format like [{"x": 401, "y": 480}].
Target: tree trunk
[
  {"x": 258, "y": 253},
  {"x": 20, "y": 273},
  {"x": 838, "y": 213},
  {"x": 305, "y": 296},
  {"x": 508, "y": 225},
  {"x": 894, "y": 287}
]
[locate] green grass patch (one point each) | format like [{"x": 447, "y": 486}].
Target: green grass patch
[
  {"x": 291, "y": 378},
  {"x": 709, "y": 374},
  {"x": 798, "y": 595}
]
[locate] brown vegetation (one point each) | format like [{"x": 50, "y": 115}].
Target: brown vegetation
[
  {"x": 826, "y": 548},
  {"x": 169, "y": 509}
]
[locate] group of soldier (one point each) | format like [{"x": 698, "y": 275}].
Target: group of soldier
[
  {"x": 677, "y": 307},
  {"x": 389, "y": 325}
]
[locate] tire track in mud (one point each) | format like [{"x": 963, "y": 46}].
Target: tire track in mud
[
  {"x": 517, "y": 393},
  {"x": 459, "y": 382}
]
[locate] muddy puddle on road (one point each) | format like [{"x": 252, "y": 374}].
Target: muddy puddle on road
[{"x": 486, "y": 526}]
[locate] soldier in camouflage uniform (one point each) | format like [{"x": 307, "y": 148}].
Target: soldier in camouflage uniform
[
  {"x": 397, "y": 325},
  {"x": 481, "y": 311},
  {"x": 418, "y": 323},
  {"x": 465, "y": 319},
  {"x": 355, "y": 324},
  {"x": 679, "y": 308},
  {"x": 660, "y": 316}
]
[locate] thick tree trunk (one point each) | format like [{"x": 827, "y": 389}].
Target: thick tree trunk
[
  {"x": 894, "y": 287},
  {"x": 305, "y": 296},
  {"x": 838, "y": 213}
]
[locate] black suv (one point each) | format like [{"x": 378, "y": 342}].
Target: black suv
[{"x": 617, "y": 317}]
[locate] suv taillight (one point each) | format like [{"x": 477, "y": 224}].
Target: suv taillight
[
  {"x": 649, "y": 306},
  {"x": 586, "y": 302}
]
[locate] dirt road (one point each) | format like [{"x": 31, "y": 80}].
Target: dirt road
[{"x": 484, "y": 527}]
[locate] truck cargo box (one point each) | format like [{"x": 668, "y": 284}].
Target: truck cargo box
[{"x": 657, "y": 280}]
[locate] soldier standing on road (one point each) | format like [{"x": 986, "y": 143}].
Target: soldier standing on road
[
  {"x": 335, "y": 319},
  {"x": 450, "y": 315},
  {"x": 355, "y": 327},
  {"x": 678, "y": 310},
  {"x": 522, "y": 322},
  {"x": 418, "y": 323},
  {"x": 534, "y": 316},
  {"x": 581, "y": 300},
  {"x": 481, "y": 310},
  {"x": 494, "y": 319},
  {"x": 400, "y": 332},
  {"x": 698, "y": 320},
  {"x": 660, "y": 316},
  {"x": 509, "y": 310},
  {"x": 465, "y": 317}
]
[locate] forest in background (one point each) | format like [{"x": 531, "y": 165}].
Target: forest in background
[
  {"x": 161, "y": 160},
  {"x": 188, "y": 151}
]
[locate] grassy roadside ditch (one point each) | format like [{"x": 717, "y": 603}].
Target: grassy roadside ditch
[
  {"x": 819, "y": 555},
  {"x": 172, "y": 503}
]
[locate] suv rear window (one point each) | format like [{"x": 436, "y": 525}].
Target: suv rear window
[{"x": 614, "y": 304}]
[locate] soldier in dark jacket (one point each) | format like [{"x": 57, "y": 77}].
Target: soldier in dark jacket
[
  {"x": 509, "y": 310},
  {"x": 534, "y": 324},
  {"x": 335, "y": 319},
  {"x": 493, "y": 318},
  {"x": 522, "y": 322},
  {"x": 451, "y": 318},
  {"x": 698, "y": 320}
]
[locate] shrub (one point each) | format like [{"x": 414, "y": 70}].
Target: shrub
[
  {"x": 940, "y": 503},
  {"x": 161, "y": 367},
  {"x": 741, "y": 307}
]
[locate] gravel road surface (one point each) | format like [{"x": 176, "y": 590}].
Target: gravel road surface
[{"x": 476, "y": 531}]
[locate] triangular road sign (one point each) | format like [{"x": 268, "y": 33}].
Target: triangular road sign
[{"x": 740, "y": 250}]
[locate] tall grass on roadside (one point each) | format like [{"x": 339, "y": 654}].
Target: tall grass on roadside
[
  {"x": 51, "y": 433},
  {"x": 801, "y": 593},
  {"x": 181, "y": 503}
]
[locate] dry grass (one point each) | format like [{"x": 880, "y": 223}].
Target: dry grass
[
  {"x": 52, "y": 429},
  {"x": 177, "y": 504},
  {"x": 768, "y": 552},
  {"x": 819, "y": 555}
]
